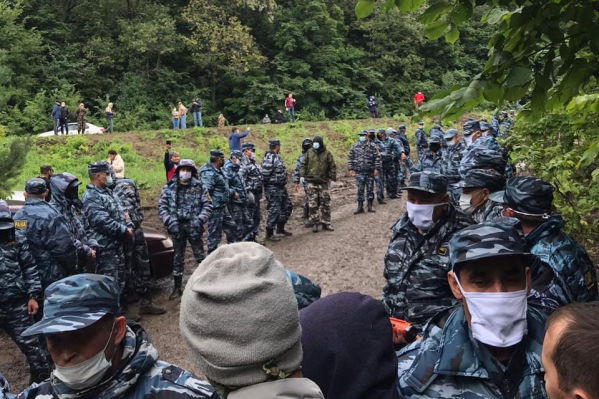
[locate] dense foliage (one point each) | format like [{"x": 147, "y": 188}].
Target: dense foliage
[
  {"x": 545, "y": 52},
  {"x": 240, "y": 57}
]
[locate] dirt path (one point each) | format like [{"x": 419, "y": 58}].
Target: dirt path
[{"x": 348, "y": 259}]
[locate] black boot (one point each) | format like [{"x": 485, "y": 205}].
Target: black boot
[
  {"x": 147, "y": 307},
  {"x": 360, "y": 208},
  {"x": 327, "y": 227},
  {"x": 381, "y": 201},
  {"x": 177, "y": 291},
  {"x": 128, "y": 313},
  {"x": 315, "y": 228},
  {"x": 270, "y": 235},
  {"x": 306, "y": 218},
  {"x": 281, "y": 230},
  {"x": 370, "y": 207}
]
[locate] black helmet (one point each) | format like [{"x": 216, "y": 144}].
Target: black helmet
[{"x": 306, "y": 144}]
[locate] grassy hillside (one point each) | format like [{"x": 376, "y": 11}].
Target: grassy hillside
[{"x": 143, "y": 151}]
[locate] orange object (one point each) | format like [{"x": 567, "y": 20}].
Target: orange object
[{"x": 404, "y": 328}]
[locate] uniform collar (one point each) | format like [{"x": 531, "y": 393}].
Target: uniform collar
[
  {"x": 456, "y": 336},
  {"x": 551, "y": 226}
]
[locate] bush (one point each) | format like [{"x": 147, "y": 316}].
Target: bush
[{"x": 554, "y": 149}]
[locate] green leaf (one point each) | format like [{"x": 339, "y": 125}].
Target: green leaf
[
  {"x": 435, "y": 30},
  {"x": 518, "y": 76},
  {"x": 389, "y": 4},
  {"x": 434, "y": 12},
  {"x": 409, "y": 5},
  {"x": 494, "y": 15},
  {"x": 461, "y": 13},
  {"x": 452, "y": 35},
  {"x": 364, "y": 8}
]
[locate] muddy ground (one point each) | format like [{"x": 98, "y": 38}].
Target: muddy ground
[{"x": 348, "y": 259}]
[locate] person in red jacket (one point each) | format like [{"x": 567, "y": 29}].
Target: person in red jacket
[
  {"x": 171, "y": 161},
  {"x": 418, "y": 99},
  {"x": 290, "y": 107}
]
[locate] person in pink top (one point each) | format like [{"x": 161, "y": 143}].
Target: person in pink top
[{"x": 290, "y": 107}]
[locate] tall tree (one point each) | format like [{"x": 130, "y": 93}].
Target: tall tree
[{"x": 219, "y": 42}]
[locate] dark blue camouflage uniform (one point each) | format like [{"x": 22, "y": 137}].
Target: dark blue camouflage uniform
[
  {"x": 252, "y": 176},
  {"x": 364, "y": 159},
  {"x": 482, "y": 158},
  {"x": 421, "y": 141},
  {"x": 185, "y": 210},
  {"x": 429, "y": 162},
  {"x": 137, "y": 257},
  {"x": 221, "y": 220},
  {"x": 407, "y": 164},
  {"x": 452, "y": 156},
  {"x": 85, "y": 299},
  {"x": 565, "y": 256},
  {"x": 448, "y": 363},
  {"x": 108, "y": 226},
  {"x": 492, "y": 181},
  {"x": 416, "y": 265},
  {"x": 239, "y": 206},
  {"x": 274, "y": 176},
  {"x": 19, "y": 282},
  {"x": 306, "y": 291},
  {"x": 5, "y": 389},
  {"x": 72, "y": 210},
  {"x": 390, "y": 160},
  {"x": 49, "y": 238}
]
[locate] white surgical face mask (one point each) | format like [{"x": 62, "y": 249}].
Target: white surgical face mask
[
  {"x": 87, "y": 373},
  {"x": 466, "y": 202},
  {"x": 362, "y": 138},
  {"x": 253, "y": 156},
  {"x": 468, "y": 140},
  {"x": 316, "y": 146},
  {"x": 497, "y": 318},
  {"x": 421, "y": 216},
  {"x": 109, "y": 180},
  {"x": 451, "y": 143},
  {"x": 185, "y": 176}
]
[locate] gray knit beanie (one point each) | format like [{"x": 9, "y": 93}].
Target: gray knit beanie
[{"x": 238, "y": 314}]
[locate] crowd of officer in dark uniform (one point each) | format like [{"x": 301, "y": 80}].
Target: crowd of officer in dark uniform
[{"x": 474, "y": 268}]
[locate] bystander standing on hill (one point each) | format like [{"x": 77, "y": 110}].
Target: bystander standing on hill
[
  {"x": 290, "y": 107},
  {"x": 175, "y": 116},
  {"x": 196, "y": 112},
  {"x": 109, "y": 115},
  {"x": 183, "y": 115},
  {"x": 56, "y": 116},
  {"x": 221, "y": 120},
  {"x": 64, "y": 118}
]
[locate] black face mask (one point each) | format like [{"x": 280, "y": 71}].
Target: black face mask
[
  {"x": 371, "y": 136},
  {"x": 72, "y": 193},
  {"x": 435, "y": 147},
  {"x": 7, "y": 235}
]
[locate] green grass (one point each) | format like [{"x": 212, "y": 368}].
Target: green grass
[{"x": 143, "y": 151}]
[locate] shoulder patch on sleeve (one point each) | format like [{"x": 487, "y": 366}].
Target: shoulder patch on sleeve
[
  {"x": 442, "y": 251},
  {"x": 20, "y": 224},
  {"x": 208, "y": 196}
]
